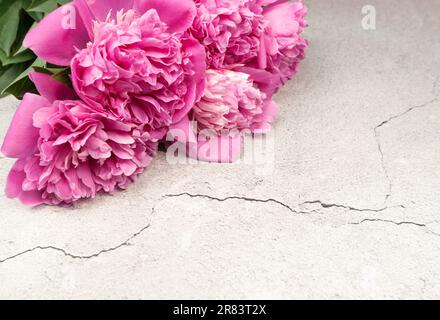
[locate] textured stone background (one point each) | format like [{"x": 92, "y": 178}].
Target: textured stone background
[{"x": 350, "y": 211}]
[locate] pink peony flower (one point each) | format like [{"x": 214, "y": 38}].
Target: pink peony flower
[
  {"x": 68, "y": 151},
  {"x": 231, "y": 101},
  {"x": 135, "y": 60},
  {"x": 137, "y": 70},
  {"x": 258, "y": 37},
  {"x": 230, "y": 107},
  {"x": 230, "y": 30},
  {"x": 283, "y": 47}
]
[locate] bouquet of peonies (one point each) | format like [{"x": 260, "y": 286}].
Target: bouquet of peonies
[{"x": 118, "y": 77}]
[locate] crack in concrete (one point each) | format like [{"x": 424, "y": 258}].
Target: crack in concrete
[
  {"x": 79, "y": 257},
  {"x": 394, "y": 117},
  {"x": 350, "y": 208},
  {"x": 270, "y": 200},
  {"x": 242, "y": 198},
  {"x": 379, "y": 142},
  {"x": 398, "y": 223},
  {"x": 436, "y": 87},
  {"x": 383, "y": 165}
]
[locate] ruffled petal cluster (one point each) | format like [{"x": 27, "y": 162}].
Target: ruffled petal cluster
[
  {"x": 231, "y": 101},
  {"x": 77, "y": 154},
  {"x": 137, "y": 70},
  {"x": 230, "y": 30},
  {"x": 259, "y": 37},
  {"x": 284, "y": 47}
]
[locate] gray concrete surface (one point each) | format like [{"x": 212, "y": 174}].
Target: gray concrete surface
[{"x": 351, "y": 210}]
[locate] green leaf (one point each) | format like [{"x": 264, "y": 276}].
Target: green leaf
[
  {"x": 17, "y": 17},
  {"x": 37, "y": 16},
  {"x": 16, "y": 82},
  {"x": 21, "y": 87},
  {"x": 9, "y": 23},
  {"x": 63, "y": 76},
  {"x": 9, "y": 75},
  {"x": 42, "y": 69},
  {"x": 23, "y": 56},
  {"x": 43, "y": 6},
  {"x": 59, "y": 74},
  {"x": 25, "y": 24}
]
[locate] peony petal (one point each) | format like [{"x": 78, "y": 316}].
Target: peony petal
[
  {"x": 120, "y": 138},
  {"x": 183, "y": 131},
  {"x": 85, "y": 175},
  {"x": 14, "y": 187},
  {"x": 31, "y": 198},
  {"x": 220, "y": 149},
  {"x": 86, "y": 15},
  {"x": 40, "y": 117},
  {"x": 177, "y": 14},
  {"x": 270, "y": 110},
  {"x": 21, "y": 138},
  {"x": 128, "y": 167},
  {"x": 263, "y": 121},
  {"x": 197, "y": 56},
  {"x": 15, "y": 180},
  {"x": 50, "y": 88},
  {"x": 190, "y": 100},
  {"x": 100, "y": 9},
  {"x": 262, "y": 55},
  {"x": 266, "y": 82},
  {"x": 282, "y": 19},
  {"x": 268, "y": 3},
  {"x": 57, "y": 36}
]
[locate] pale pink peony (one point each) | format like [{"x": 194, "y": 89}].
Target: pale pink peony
[
  {"x": 67, "y": 151},
  {"x": 138, "y": 71},
  {"x": 230, "y": 30},
  {"x": 231, "y": 101},
  {"x": 231, "y": 107}
]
